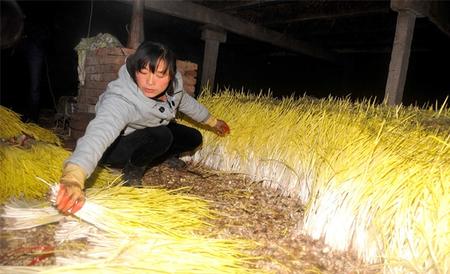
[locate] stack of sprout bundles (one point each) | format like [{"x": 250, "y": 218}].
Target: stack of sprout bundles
[
  {"x": 11, "y": 127},
  {"x": 44, "y": 158},
  {"x": 374, "y": 179},
  {"x": 143, "y": 230}
]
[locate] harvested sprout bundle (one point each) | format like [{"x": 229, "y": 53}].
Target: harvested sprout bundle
[
  {"x": 375, "y": 179},
  {"x": 11, "y": 127},
  {"x": 161, "y": 211},
  {"x": 144, "y": 230},
  {"x": 21, "y": 166}
]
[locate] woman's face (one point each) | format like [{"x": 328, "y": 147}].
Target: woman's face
[{"x": 152, "y": 84}]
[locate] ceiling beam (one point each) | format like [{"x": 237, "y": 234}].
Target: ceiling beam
[
  {"x": 245, "y": 4},
  {"x": 322, "y": 16},
  {"x": 200, "y": 14},
  {"x": 436, "y": 11}
]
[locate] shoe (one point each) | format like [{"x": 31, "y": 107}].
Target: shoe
[
  {"x": 133, "y": 174},
  {"x": 175, "y": 162}
]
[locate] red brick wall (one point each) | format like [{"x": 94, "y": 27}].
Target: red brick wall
[{"x": 101, "y": 67}]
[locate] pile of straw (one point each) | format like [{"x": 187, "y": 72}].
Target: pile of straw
[{"x": 375, "y": 179}]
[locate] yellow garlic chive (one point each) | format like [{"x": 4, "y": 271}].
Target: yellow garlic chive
[{"x": 375, "y": 179}]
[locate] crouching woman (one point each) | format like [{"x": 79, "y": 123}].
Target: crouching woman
[{"x": 134, "y": 126}]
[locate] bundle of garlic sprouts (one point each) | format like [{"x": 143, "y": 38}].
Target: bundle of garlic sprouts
[
  {"x": 375, "y": 179},
  {"x": 120, "y": 210}
]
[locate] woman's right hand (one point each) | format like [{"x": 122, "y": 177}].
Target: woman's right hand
[{"x": 70, "y": 198}]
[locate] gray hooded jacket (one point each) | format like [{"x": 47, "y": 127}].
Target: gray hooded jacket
[{"x": 123, "y": 106}]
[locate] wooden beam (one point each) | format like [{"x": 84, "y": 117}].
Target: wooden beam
[
  {"x": 245, "y": 4},
  {"x": 436, "y": 11},
  {"x": 321, "y": 16},
  {"x": 398, "y": 66},
  {"x": 420, "y": 8},
  {"x": 136, "y": 35},
  {"x": 440, "y": 15},
  {"x": 197, "y": 13}
]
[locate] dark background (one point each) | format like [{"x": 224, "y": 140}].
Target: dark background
[{"x": 242, "y": 64}]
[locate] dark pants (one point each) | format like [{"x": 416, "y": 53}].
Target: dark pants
[{"x": 151, "y": 146}]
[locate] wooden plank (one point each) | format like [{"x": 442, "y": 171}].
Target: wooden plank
[
  {"x": 398, "y": 66},
  {"x": 200, "y": 14}
]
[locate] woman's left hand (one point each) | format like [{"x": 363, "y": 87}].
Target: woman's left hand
[{"x": 221, "y": 128}]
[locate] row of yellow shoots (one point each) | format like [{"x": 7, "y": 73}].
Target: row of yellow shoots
[
  {"x": 21, "y": 164},
  {"x": 375, "y": 179},
  {"x": 142, "y": 230}
]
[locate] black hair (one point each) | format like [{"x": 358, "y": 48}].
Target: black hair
[{"x": 150, "y": 53}]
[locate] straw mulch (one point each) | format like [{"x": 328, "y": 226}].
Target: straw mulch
[{"x": 247, "y": 211}]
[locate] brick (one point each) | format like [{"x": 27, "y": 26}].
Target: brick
[
  {"x": 106, "y": 68},
  {"x": 88, "y": 108},
  {"x": 78, "y": 123},
  {"x": 107, "y": 59},
  {"x": 90, "y": 100},
  {"x": 91, "y": 69},
  {"x": 82, "y": 107},
  {"x": 186, "y": 65},
  {"x": 189, "y": 81},
  {"x": 104, "y": 59},
  {"x": 128, "y": 51},
  {"x": 91, "y": 60},
  {"x": 108, "y": 77},
  {"x": 189, "y": 89},
  {"x": 76, "y": 133},
  {"x": 96, "y": 84},
  {"x": 93, "y": 76},
  {"x": 108, "y": 51},
  {"x": 190, "y": 73},
  {"x": 84, "y": 92}
]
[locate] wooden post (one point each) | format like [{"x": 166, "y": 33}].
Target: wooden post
[
  {"x": 398, "y": 66},
  {"x": 136, "y": 34},
  {"x": 212, "y": 38}
]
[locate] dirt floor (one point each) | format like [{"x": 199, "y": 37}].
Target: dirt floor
[{"x": 247, "y": 211}]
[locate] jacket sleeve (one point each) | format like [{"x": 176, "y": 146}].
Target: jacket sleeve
[
  {"x": 188, "y": 105},
  {"x": 112, "y": 115},
  {"x": 192, "y": 108}
]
